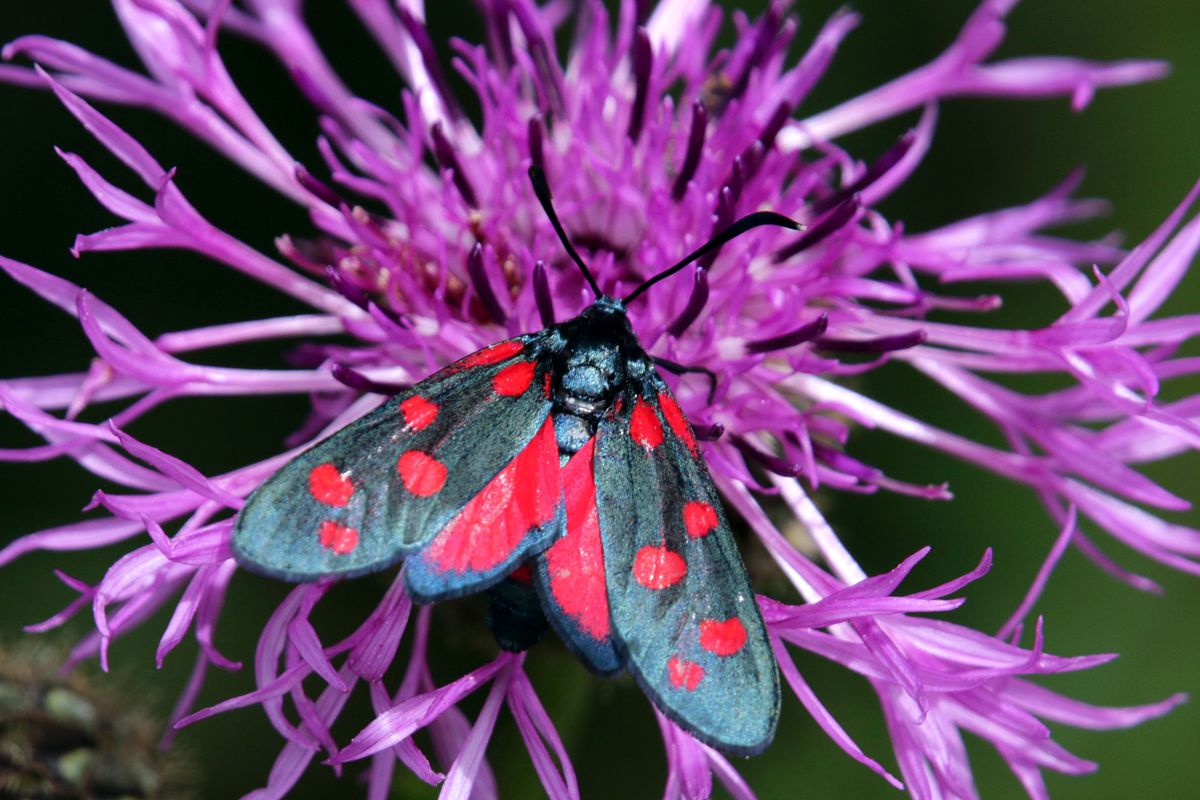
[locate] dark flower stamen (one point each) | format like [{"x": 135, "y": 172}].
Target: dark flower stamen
[
  {"x": 695, "y": 145},
  {"x": 495, "y": 12},
  {"x": 368, "y": 226},
  {"x": 744, "y": 164},
  {"x": 306, "y": 255},
  {"x": 343, "y": 286},
  {"x": 873, "y": 173},
  {"x": 306, "y": 355},
  {"x": 831, "y": 223},
  {"x": 726, "y": 203},
  {"x": 768, "y": 28},
  {"x": 317, "y": 188},
  {"x": 643, "y": 11},
  {"x": 804, "y": 333},
  {"x": 483, "y": 288},
  {"x": 768, "y": 461},
  {"x": 708, "y": 433},
  {"x": 536, "y": 135},
  {"x": 394, "y": 323},
  {"x": 356, "y": 380},
  {"x": 597, "y": 241},
  {"x": 883, "y": 344},
  {"x": 542, "y": 293},
  {"x": 545, "y": 63},
  {"x": 443, "y": 151},
  {"x": 643, "y": 60},
  {"x": 695, "y": 304},
  {"x": 783, "y": 112},
  {"x": 747, "y": 162},
  {"x": 420, "y": 36}
]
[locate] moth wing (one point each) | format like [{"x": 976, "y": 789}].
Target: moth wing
[
  {"x": 570, "y": 573},
  {"x": 385, "y": 485},
  {"x": 681, "y": 604},
  {"x": 517, "y": 514}
]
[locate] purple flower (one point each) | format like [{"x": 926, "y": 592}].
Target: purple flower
[{"x": 458, "y": 255}]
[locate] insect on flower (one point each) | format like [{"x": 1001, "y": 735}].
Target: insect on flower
[{"x": 556, "y": 470}]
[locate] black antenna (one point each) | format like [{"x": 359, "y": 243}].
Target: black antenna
[
  {"x": 735, "y": 230},
  {"x": 542, "y": 189}
]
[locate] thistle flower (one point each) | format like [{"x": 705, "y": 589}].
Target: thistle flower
[{"x": 426, "y": 244}]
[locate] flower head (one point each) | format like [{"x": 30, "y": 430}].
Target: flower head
[{"x": 427, "y": 244}]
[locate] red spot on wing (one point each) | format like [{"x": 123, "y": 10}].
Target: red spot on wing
[
  {"x": 513, "y": 380},
  {"x": 575, "y": 563},
  {"x": 341, "y": 539},
  {"x": 419, "y": 413},
  {"x": 644, "y": 426},
  {"x": 491, "y": 355},
  {"x": 522, "y": 496},
  {"x": 699, "y": 518},
  {"x": 684, "y": 674},
  {"x": 522, "y": 574},
  {"x": 422, "y": 474},
  {"x": 327, "y": 485},
  {"x": 658, "y": 567},
  {"x": 722, "y": 638},
  {"x": 677, "y": 421}
]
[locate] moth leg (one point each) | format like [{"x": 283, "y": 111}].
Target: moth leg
[{"x": 676, "y": 368}]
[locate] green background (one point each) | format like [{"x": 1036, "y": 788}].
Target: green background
[{"x": 1141, "y": 150}]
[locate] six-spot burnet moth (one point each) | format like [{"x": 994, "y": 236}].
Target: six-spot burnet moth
[{"x": 556, "y": 470}]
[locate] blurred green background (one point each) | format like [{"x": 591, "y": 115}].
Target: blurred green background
[{"x": 1141, "y": 151}]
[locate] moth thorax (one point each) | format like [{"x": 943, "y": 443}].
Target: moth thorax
[{"x": 585, "y": 390}]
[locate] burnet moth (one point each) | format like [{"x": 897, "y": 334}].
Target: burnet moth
[{"x": 555, "y": 470}]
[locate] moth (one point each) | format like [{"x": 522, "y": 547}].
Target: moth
[{"x": 555, "y": 470}]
